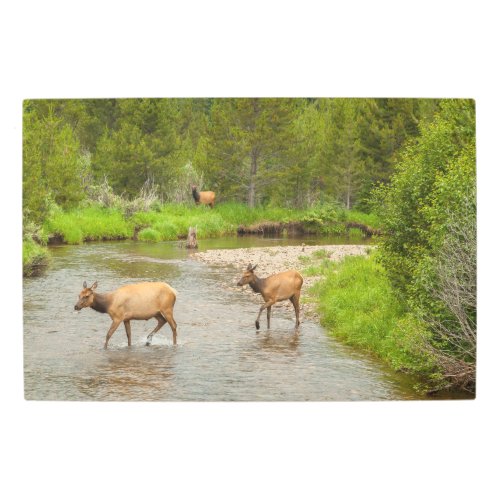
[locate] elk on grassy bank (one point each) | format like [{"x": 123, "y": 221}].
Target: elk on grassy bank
[
  {"x": 275, "y": 288},
  {"x": 203, "y": 197},
  {"x": 140, "y": 301}
]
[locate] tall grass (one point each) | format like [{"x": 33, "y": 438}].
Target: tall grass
[
  {"x": 88, "y": 224},
  {"x": 171, "y": 221},
  {"x": 358, "y": 305}
]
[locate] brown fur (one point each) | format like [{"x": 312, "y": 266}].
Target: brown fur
[
  {"x": 275, "y": 288},
  {"x": 138, "y": 301},
  {"x": 203, "y": 197}
]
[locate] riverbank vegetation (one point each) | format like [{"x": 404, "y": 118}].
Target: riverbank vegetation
[
  {"x": 414, "y": 302},
  {"x": 402, "y": 170},
  {"x": 357, "y": 302},
  {"x": 171, "y": 222}
]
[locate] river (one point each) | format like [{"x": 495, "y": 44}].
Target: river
[{"x": 219, "y": 355}]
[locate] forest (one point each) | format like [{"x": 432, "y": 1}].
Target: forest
[
  {"x": 404, "y": 168},
  {"x": 286, "y": 152}
]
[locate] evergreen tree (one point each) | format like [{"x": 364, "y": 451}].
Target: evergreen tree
[
  {"x": 248, "y": 141},
  {"x": 142, "y": 147},
  {"x": 52, "y": 164}
]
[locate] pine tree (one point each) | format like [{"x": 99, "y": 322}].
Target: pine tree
[
  {"x": 52, "y": 166},
  {"x": 248, "y": 142}
]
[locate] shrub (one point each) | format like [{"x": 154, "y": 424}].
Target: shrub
[{"x": 429, "y": 213}]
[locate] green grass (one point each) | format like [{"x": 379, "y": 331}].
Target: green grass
[
  {"x": 171, "y": 221},
  {"x": 321, "y": 254},
  {"x": 358, "y": 305},
  {"x": 149, "y": 234},
  {"x": 371, "y": 220},
  {"x": 89, "y": 224}
]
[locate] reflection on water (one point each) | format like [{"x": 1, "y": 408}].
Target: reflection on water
[
  {"x": 128, "y": 374},
  {"x": 219, "y": 356}
]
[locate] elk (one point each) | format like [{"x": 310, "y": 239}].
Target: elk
[
  {"x": 275, "y": 288},
  {"x": 136, "y": 301},
  {"x": 204, "y": 197}
]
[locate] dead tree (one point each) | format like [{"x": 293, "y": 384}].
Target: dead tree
[{"x": 191, "y": 239}]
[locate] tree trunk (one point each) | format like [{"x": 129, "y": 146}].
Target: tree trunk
[
  {"x": 253, "y": 173},
  {"x": 348, "y": 197},
  {"x": 191, "y": 240}
]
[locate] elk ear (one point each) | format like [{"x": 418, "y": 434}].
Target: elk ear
[
  {"x": 249, "y": 267},
  {"x": 254, "y": 267},
  {"x": 94, "y": 286},
  {"x": 84, "y": 284}
]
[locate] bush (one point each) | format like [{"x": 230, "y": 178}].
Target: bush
[
  {"x": 429, "y": 213},
  {"x": 417, "y": 186}
]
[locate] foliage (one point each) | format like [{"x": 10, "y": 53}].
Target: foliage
[
  {"x": 103, "y": 196},
  {"x": 249, "y": 137},
  {"x": 52, "y": 165},
  {"x": 405, "y": 204},
  {"x": 35, "y": 256},
  {"x": 429, "y": 214},
  {"x": 284, "y": 152}
]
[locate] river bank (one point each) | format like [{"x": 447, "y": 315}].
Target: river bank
[{"x": 171, "y": 222}]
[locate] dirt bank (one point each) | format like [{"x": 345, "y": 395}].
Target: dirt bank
[{"x": 273, "y": 260}]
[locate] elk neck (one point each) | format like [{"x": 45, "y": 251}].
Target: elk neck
[
  {"x": 100, "y": 302},
  {"x": 196, "y": 194},
  {"x": 257, "y": 284}
]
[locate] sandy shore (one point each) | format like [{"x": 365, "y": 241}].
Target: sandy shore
[{"x": 275, "y": 259}]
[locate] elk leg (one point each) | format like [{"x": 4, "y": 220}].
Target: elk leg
[
  {"x": 173, "y": 325},
  {"x": 294, "y": 299},
  {"x": 161, "y": 322},
  {"x": 269, "y": 317},
  {"x": 269, "y": 303},
  {"x": 129, "y": 331},
  {"x": 111, "y": 330}
]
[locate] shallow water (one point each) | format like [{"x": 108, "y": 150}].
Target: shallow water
[{"x": 219, "y": 355}]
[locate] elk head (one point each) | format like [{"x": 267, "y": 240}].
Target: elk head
[
  {"x": 248, "y": 275},
  {"x": 86, "y": 297},
  {"x": 196, "y": 194}
]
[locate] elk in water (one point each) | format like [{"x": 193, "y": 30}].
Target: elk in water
[
  {"x": 275, "y": 288},
  {"x": 203, "y": 197},
  {"x": 137, "y": 301}
]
